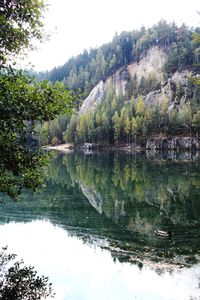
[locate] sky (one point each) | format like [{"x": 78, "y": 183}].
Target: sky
[{"x": 76, "y": 25}]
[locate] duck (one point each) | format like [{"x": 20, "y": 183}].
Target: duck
[{"x": 163, "y": 233}]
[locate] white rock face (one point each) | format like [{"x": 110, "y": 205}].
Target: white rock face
[
  {"x": 152, "y": 65},
  {"x": 95, "y": 97},
  {"x": 119, "y": 82},
  {"x": 166, "y": 91},
  {"x": 93, "y": 197}
]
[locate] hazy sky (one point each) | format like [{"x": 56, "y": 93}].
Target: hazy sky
[{"x": 76, "y": 25}]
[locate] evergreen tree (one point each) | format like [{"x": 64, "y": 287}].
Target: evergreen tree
[{"x": 116, "y": 125}]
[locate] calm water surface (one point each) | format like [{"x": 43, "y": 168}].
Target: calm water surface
[{"x": 91, "y": 228}]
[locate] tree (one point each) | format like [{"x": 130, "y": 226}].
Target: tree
[
  {"x": 134, "y": 128},
  {"x": 105, "y": 125},
  {"x": 196, "y": 41},
  {"x": 196, "y": 121},
  {"x": 174, "y": 120},
  {"x": 101, "y": 63},
  {"x": 42, "y": 133},
  {"x": 140, "y": 108},
  {"x": 116, "y": 121},
  {"x": 90, "y": 126},
  {"x": 186, "y": 115},
  {"x": 23, "y": 101},
  {"x": 18, "y": 281},
  {"x": 181, "y": 46},
  {"x": 127, "y": 128},
  {"x": 20, "y": 22}
]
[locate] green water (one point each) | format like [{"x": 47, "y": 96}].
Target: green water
[{"x": 113, "y": 203}]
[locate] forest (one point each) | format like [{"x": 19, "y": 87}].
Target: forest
[{"x": 118, "y": 119}]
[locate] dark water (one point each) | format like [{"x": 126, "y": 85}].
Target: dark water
[{"x": 91, "y": 228}]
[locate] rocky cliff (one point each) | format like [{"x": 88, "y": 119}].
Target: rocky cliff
[
  {"x": 172, "y": 143},
  {"x": 149, "y": 71},
  {"x": 173, "y": 97}
]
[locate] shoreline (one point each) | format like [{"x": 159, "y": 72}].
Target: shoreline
[
  {"x": 66, "y": 148},
  {"x": 152, "y": 143}
]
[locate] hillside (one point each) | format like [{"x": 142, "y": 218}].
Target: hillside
[
  {"x": 146, "y": 91},
  {"x": 88, "y": 68}
]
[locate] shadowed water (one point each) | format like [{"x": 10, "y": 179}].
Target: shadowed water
[{"x": 98, "y": 212}]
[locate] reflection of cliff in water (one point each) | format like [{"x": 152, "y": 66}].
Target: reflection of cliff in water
[
  {"x": 119, "y": 200},
  {"x": 140, "y": 195},
  {"x": 173, "y": 155}
]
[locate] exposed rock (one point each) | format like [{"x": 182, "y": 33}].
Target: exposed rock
[
  {"x": 168, "y": 91},
  {"x": 94, "y": 198},
  {"x": 96, "y": 201},
  {"x": 94, "y": 98},
  {"x": 174, "y": 155},
  {"x": 151, "y": 66},
  {"x": 173, "y": 143},
  {"x": 119, "y": 82}
]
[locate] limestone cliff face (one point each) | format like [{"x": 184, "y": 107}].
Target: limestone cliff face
[
  {"x": 93, "y": 197},
  {"x": 172, "y": 143},
  {"x": 118, "y": 81},
  {"x": 151, "y": 67},
  {"x": 152, "y": 64},
  {"x": 94, "y": 98}
]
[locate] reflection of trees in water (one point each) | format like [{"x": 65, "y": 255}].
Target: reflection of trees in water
[
  {"x": 18, "y": 281},
  {"x": 132, "y": 191},
  {"x": 139, "y": 196},
  {"x": 139, "y": 191},
  {"x": 129, "y": 197}
]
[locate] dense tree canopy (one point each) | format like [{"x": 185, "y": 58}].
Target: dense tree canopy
[
  {"x": 88, "y": 68},
  {"x": 126, "y": 119},
  {"x": 20, "y": 282},
  {"x": 23, "y": 101},
  {"x": 20, "y": 22}
]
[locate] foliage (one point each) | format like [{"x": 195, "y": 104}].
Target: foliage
[
  {"x": 121, "y": 121},
  {"x": 88, "y": 68},
  {"x": 20, "y": 21},
  {"x": 20, "y": 282},
  {"x": 128, "y": 188},
  {"x": 196, "y": 42},
  {"x": 129, "y": 118},
  {"x": 129, "y": 196},
  {"x": 24, "y": 102}
]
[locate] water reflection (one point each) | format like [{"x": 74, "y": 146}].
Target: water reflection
[
  {"x": 120, "y": 200},
  {"x": 105, "y": 208},
  {"x": 81, "y": 271},
  {"x": 139, "y": 195}
]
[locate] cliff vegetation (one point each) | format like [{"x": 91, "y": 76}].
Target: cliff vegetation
[{"x": 144, "y": 83}]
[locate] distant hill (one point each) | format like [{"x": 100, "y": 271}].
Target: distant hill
[
  {"x": 139, "y": 86},
  {"x": 88, "y": 68}
]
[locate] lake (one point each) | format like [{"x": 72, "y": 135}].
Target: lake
[{"x": 90, "y": 229}]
